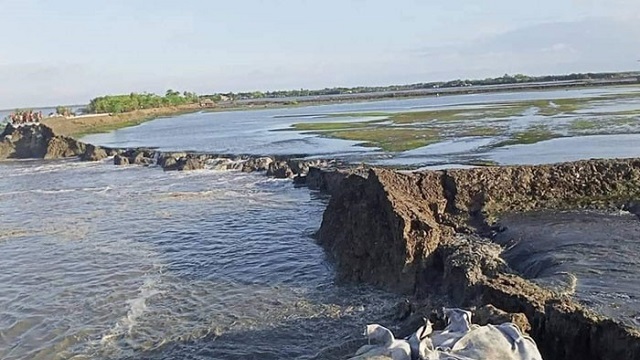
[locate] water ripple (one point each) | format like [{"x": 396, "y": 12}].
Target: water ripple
[{"x": 100, "y": 262}]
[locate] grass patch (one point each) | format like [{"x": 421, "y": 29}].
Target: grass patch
[
  {"x": 481, "y": 162},
  {"x": 446, "y": 115},
  {"x": 625, "y": 121},
  {"x": 584, "y": 124},
  {"x": 104, "y": 128},
  {"x": 633, "y": 112},
  {"x": 602, "y": 124},
  {"x": 389, "y": 139},
  {"x": 530, "y": 136},
  {"x": 558, "y": 106},
  {"x": 423, "y": 116},
  {"x": 360, "y": 115},
  {"x": 479, "y": 131},
  {"x": 327, "y": 126}
]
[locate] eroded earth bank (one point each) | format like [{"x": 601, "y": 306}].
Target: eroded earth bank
[{"x": 431, "y": 234}]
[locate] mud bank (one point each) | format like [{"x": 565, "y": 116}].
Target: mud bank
[
  {"x": 429, "y": 234},
  {"x": 36, "y": 141}
]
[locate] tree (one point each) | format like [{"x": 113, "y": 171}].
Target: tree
[
  {"x": 63, "y": 111},
  {"x": 171, "y": 92}
]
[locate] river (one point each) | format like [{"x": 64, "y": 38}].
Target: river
[{"x": 105, "y": 262}]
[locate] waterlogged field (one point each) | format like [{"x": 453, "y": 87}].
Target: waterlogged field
[
  {"x": 504, "y": 123},
  {"x": 528, "y": 127}
]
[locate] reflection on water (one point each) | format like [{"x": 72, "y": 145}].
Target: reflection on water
[{"x": 103, "y": 262}]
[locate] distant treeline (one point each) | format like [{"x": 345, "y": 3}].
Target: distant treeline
[
  {"x": 506, "y": 79},
  {"x": 135, "y": 101},
  {"x": 124, "y": 103}
]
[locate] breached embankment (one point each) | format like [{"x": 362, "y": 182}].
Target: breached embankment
[
  {"x": 38, "y": 141},
  {"x": 429, "y": 234}
]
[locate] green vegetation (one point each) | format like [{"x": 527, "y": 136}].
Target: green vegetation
[
  {"x": 116, "y": 104},
  {"x": 389, "y": 139},
  {"x": 63, "y": 111},
  {"x": 559, "y": 106},
  {"x": 583, "y": 124},
  {"x": 412, "y": 129},
  {"x": 481, "y": 162},
  {"x": 479, "y": 131},
  {"x": 423, "y": 116},
  {"x": 532, "y": 135},
  {"x": 122, "y": 121},
  {"x": 459, "y": 83},
  {"x": 103, "y": 128},
  {"x": 324, "y": 126},
  {"x": 602, "y": 123},
  {"x": 415, "y": 117},
  {"x": 360, "y": 115}
]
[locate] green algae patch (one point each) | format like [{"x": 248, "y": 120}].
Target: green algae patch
[{"x": 389, "y": 139}]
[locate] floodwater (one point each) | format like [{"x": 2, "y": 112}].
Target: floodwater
[
  {"x": 102, "y": 262},
  {"x": 590, "y": 255},
  {"x": 261, "y": 131}
]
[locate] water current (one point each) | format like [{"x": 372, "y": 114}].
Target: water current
[{"x": 101, "y": 262}]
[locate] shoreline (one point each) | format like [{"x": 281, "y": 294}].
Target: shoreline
[
  {"x": 84, "y": 125},
  {"x": 80, "y": 126}
]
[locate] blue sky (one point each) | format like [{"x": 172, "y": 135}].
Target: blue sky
[{"x": 68, "y": 51}]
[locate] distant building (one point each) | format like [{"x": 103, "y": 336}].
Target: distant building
[{"x": 207, "y": 103}]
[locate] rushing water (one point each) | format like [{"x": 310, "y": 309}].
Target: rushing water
[
  {"x": 591, "y": 255},
  {"x": 101, "y": 262}
]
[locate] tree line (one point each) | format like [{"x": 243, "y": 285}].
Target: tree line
[
  {"x": 134, "y": 101},
  {"x": 124, "y": 103},
  {"x": 505, "y": 79}
]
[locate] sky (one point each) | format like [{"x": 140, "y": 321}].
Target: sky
[{"x": 69, "y": 51}]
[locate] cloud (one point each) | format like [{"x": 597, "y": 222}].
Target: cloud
[
  {"x": 588, "y": 45},
  {"x": 563, "y": 47}
]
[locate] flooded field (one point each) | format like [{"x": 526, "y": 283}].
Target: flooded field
[{"x": 473, "y": 129}]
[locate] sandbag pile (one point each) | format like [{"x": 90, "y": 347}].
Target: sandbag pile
[{"x": 460, "y": 340}]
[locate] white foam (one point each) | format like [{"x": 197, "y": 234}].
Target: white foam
[{"x": 137, "y": 307}]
